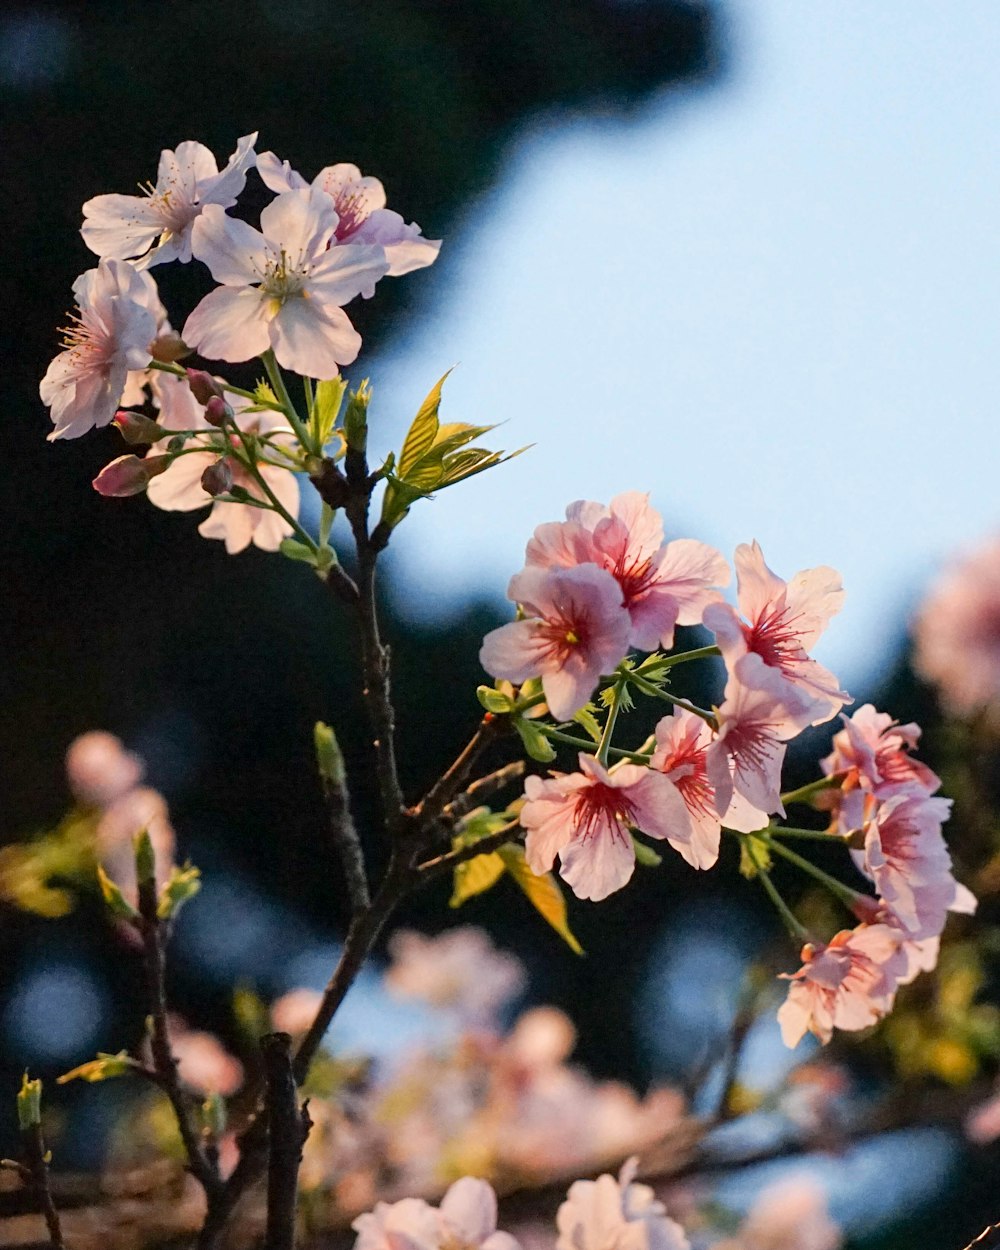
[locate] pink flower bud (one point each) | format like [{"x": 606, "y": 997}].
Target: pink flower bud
[
  {"x": 218, "y": 478},
  {"x": 203, "y": 385},
  {"x": 217, "y": 411},
  {"x": 169, "y": 348},
  {"x": 135, "y": 428},
  {"x": 129, "y": 475}
]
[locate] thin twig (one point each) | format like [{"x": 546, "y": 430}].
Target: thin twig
[
  {"x": 977, "y": 1241},
  {"x": 492, "y": 842},
  {"x": 38, "y": 1170},
  {"x": 483, "y": 789},
  {"x": 164, "y": 1063},
  {"x": 287, "y": 1131},
  {"x": 455, "y": 777}
]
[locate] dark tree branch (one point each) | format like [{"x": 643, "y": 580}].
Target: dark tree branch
[
  {"x": 37, "y": 1169},
  {"x": 482, "y": 790},
  {"x": 288, "y": 1128},
  {"x": 432, "y": 868}
]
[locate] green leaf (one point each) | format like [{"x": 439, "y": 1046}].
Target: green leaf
[
  {"x": 327, "y": 402},
  {"x": 103, "y": 1068},
  {"x": 183, "y": 884},
  {"x": 586, "y": 719},
  {"x": 29, "y": 1103},
  {"x": 423, "y": 431},
  {"x": 494, "y": 700},
  {"x": 535, "y": 742},
  {"x": 542, "y": 892},
  {"x": 292, "y": 549},
  {"x": 116, "y": 901},
  {"x": 476, "y": 876}
]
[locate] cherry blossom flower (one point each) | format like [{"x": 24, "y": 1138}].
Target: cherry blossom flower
[
  {"x": 791, "y": 1214},
  {"x": 872, "y": 753},
  {"x": 682, "y": 743},
  {"x": 783, "y": 621},
  {"x": 956, "y": 633},
  {"x": 157, "y": 226},
  {"x": 760, "y": 712},
  {"x": 179, "y": 488},
  {"x": 460, "y": 970},
  {"x": 295, "y": 1011},
  {"x": 906, "y": 857},
  {"x": 575, "y": 630},
  {"x": 466, "y": 1220},
  {"x": 609, "y": 1214},
  {"x": 848, "y": 984},
  {"x": 118, "y": 312},
  {"x": 203, "y": 1063},
  {"x": 99, "y": 769},
  {"x": 662, "y": 584},
  {"x": 283, "y": 286},
  {"x": 585, "y": 818},
  {"x": 362, "y": 216}
]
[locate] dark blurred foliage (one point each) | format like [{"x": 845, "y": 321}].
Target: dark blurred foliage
[{"x": 119, "y": 616}]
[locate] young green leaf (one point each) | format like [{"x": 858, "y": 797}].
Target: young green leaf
[
  {"x": 542, "y": 892},
  {"x": 535, "y": 742}
]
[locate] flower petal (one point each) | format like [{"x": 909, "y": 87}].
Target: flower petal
[{"x": 230, "y": 323}]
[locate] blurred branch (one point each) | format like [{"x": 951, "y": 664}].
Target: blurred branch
[{"x": 288, "y": 1128}]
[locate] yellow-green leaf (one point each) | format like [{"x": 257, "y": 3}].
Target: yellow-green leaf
[
  {"x": 422, "y": 433},
  {"x": 542, "y": 892},
  {"x": 100, "y": 1069},
  {"x": 476, "y": 876}
]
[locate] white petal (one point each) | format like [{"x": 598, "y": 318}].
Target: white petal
[
  {"x": 347, "y": 271},
  {"x": 230, "y": 324},
  {"x": 313, "y": 339},
  {"x": 179, "y": 489},
  {"x": 225, "y": 188},
  {"x": 235, "y": 252},
  {"x": 278, "y": 175},
  {"x": 299, "y": 222},
  {"x": 120, "y": 226}
]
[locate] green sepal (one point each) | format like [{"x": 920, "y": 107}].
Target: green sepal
[
  {"x": 292, "y": 549},
  {"x": 494, "y": 700},
  {"x": 753, "y": 860},
  {"x": 587, "y": 721}
]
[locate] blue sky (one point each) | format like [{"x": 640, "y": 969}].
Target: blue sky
[{"x": 772, "y": 305}]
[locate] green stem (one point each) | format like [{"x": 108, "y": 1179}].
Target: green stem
[
  {"x": 307, "y": 388},
  {"x": 604, "y": 746},
  {"x": 837, "y": 888},
  {"x": 583, "y": 745},
  {"x": 250, "y": 464},
  {"x": 661, "y": 663},
  {"x": 277, "y": 380},
  {"x": 655, "y": 692},
  {"x": 795, "y": 927},
  {"x": 810, "y": 835},
  {"x": 180, "y": 372},
  {"x": 804, "y": 793}
]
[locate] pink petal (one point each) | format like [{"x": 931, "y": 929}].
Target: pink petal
[
  {"x": 235, "y": 253},
  {"x": 313, "y": 338},
  {"x": 230, "y": 323}
]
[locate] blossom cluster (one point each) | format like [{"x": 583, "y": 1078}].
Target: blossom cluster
[
  {"x": 604, "y": 583},
  {"x": 280, "y": 296}
]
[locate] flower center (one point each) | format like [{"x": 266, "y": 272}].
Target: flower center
[
  {"x": 775, "y": 638},
  {"x": 283, "y": 279},
  {"x": 603, "y": 809}
]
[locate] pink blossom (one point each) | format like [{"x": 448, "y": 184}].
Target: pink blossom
[
  {"x": 99, "y": 769},
  {"x": 982, "y": 1124},
  {"x": 791, "y": 1214},
  {"x": 295, "y": 1011},
  {"x": 362, "y": 216},
  {"x": 411, "y": 1224},
  {"x": 848, "y": 984},
  {"x": 179, "y": 488},
  {"x": 906, "y": 857},
  {"x": 759, "y": 713},
  {"x": 609, "y": 1214},
  {"x": 118, "y": 310},
  {"x": 126, "y": 226},
  {"x": 585, "y": 818},
  {"x": 682, "y": 741},
  {"x": 468, "y": 1218},
  {"x": 283, "y": 286},
  {"x": 783, "y": 621},
  {"x": 203, "y": 1063},
  {"x": 956, "y": 633},
  {"x": 662, "y": 584},
  {"x": 460, "y": 970},
  {"x": 576, "y": 629},
  {"x": 129, "y": 475},
  {"x": 542, "y": 1038}
]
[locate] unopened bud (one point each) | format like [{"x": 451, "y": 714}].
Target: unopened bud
[
  {"x": 169, "y": 348},
  {"x": 129, "y": 475},
  {"x": 217, "y": 411},
  {"x": 135, "y": 428},
  {"x": 203, "y": 385},
  {"x": 356, "y": 417},
  {"x": 29, "y": 1104},
  {"x": 218, "y": 478}
]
